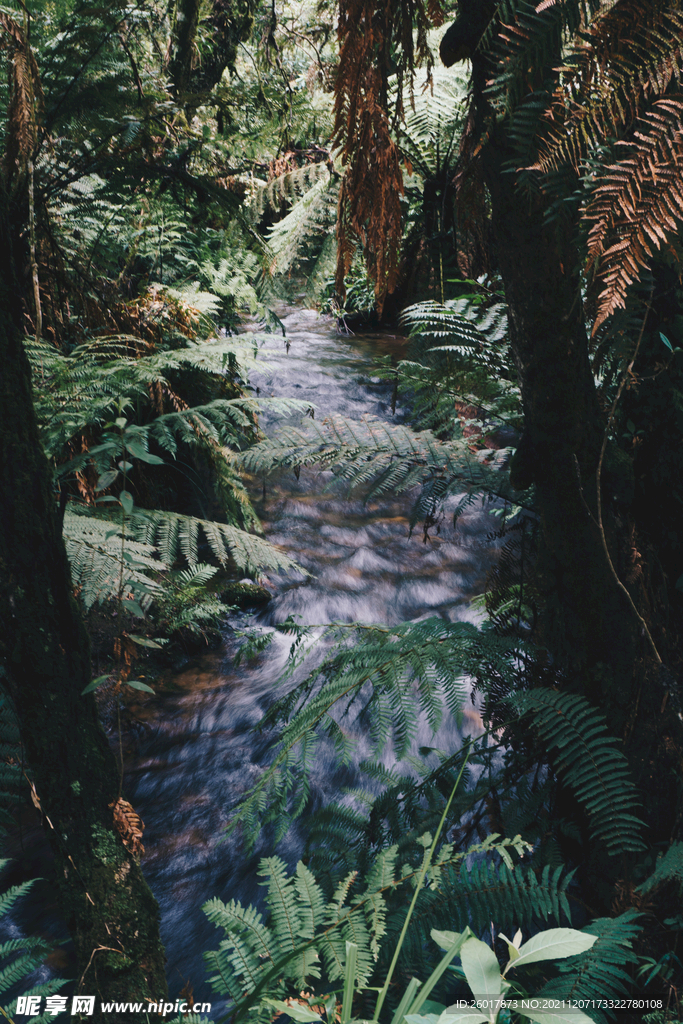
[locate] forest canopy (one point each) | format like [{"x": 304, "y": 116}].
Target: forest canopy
[{"x": 500, "y": 181}]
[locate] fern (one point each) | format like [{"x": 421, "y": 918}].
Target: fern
[
  {"x": 19, "y": 958},
  {"x": 387, "y": 676},
  {"x": 99, "y": 550},
  {"x": 463, "y": 351},
  {"x": 100, "y": 563},
  {"x": 588, "y": 760},
  {"x": 429, "y": 133},
  {"x": 306, "y": 225},
  {"x": 617, "y": 85},
  {"x": 669, "y": 867},
  {"x": 637, "y": 206},
  {"x": 290, "y": 187},
  {"x": 177, "y": 535},
  {"x": 306, "y": 937},
  {"x": 383, "y": 459},
  {"x": 603, "y": 967}
]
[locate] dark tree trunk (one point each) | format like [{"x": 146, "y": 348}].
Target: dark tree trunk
[
  {"x": 44, "y": 651},
  {"x": 593, "y": 633},
  {"x": 587, "y": 623}
]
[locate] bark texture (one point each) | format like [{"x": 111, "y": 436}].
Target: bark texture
[
  {"x": 594, "y": 638},
  {"x": 44, "y": 652}
]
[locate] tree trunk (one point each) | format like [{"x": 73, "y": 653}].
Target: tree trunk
[
  {"x": 593, "y": 633},
  {"x": 109, "y": 909},
  {"x": 587, "y": 623}
]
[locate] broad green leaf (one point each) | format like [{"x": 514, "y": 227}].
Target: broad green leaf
[
  {"x": 481, "y": 968},
  {"x": 120, "y": 422},
  {"x": 95, "y": 683},
  {"x": 134, "y": 608},
  {"x": 462, "y": 1015},
  {"x": 106, "y": 480},
  {"x": 126, "y": 499},
  {"x": 137, "y": 685},
  {"x": 452, "y": 951},
  {"x": 553, "y": 944},
  {"x": 417, "y": 1018},
  {"x": 666, "y": 341},
  {"x": 446, "y": 939},
  {"x": 512, "y": 945},
  {"x": 125, "y": 467},
  {"x": 135, "y": 449},
  {"x": 296, "y": 1011},
  {"x": 144, "y": 642}
]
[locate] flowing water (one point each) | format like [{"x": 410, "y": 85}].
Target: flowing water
[
  {"x": 198, "y": 753},
  {"x": 193, "y": 751}
]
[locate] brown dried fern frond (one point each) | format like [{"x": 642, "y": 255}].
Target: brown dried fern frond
[
  {"x": 26, "y": 93},
  {"x": 629, "y": 55},
  {"x": 638, "y": 205},
  {"x": 371, "y": 33},
  {"x": 129, "y": 825}
]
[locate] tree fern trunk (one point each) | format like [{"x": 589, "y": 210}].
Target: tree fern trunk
[
  {"x": 589, "y": 625},
  {"x": 44, "y": 648}
]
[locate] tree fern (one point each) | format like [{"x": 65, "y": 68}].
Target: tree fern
[
  {"x": 304, "y": 229},
  {"x": 102, "y": 560},
  {"x": 178, "y": 535},
  {"x": 105, "y": 555},
  {"x": 617, "y": 85},
  {"x": 463, "y": 352},
  {"x": 287, "y": 187}
]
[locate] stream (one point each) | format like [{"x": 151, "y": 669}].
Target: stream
[
  {"x": 198, "y": 753},
  {"x": 193, "y": 751}
]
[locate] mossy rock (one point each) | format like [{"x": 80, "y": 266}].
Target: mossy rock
[{"x": 245, "y": 595}]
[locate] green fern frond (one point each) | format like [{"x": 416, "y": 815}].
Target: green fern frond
[
  {"x": 603, "y": 968},
  {"x": 382, "y": 458},
  {"x": 175, "y": 535},
  {"x": 98, "y": 567},
  {"x": 411, "y": 668},
  {"x": 669, "y": 868},
  {"x": 19, "y": 958},
  {"x": 307, "y": 223},
  {"x": 588, "y": 760}
]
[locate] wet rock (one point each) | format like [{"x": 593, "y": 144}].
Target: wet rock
[{"x": 245, "y": 594}]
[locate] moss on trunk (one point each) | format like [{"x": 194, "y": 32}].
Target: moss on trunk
[{"x": 44, "y": 651}]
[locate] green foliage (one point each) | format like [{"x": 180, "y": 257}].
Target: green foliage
[
  {"x": 307, "y": 937},
  {"x": 102, "y": 559},
  {"x": 383, "y": 458},
  {"x": 669, "y": 867},
  {"x": 387, "y": 677},
  {"x": 19, "y": 958},
  {"x": 461, "y": 354},
  {"x": 186, "y": 605},
  {"x": 303, "y": 239},
  {"x": 589, "y": 762},
  {"x": 603, "y": 967},
  {"x": 147, "y": 546}
]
